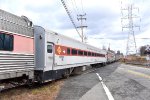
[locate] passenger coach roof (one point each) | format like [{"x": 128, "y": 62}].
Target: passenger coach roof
[
  {"x": 12, "y": 23},
  {"x": 90, "y": 46}
]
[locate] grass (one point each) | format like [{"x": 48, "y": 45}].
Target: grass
[
  {"x": 48, "y": 91},
  {"x": 134, "y": 59},
  {"x": 139, "y": 61}
]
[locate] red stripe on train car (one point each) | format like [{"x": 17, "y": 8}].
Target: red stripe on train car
[{"x": 62, "y": 50}]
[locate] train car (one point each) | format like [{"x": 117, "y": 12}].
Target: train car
[
  {"x": 118, "y": 56},
  {"x": 111, "y": 56},
  {"x": 56, "y": 55},
  {"x": 16, "y": 46},
  {"x": 33, "y": 53}
]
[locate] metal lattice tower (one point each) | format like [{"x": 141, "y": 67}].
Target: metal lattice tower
[{"x": 128, "y": 18}]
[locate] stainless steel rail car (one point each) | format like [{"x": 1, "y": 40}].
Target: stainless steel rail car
[
  {"x": 39, "y": 54},
  {"x": 16, "y": 46},
  {"x": 111, "y": 56},
  {"x": 55, "y": 54}
]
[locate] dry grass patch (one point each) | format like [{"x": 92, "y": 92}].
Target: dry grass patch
[
  {"x": 134, "y": 59},
  {"x": 47, "y": 91}
]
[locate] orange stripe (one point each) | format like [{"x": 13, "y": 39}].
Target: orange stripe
[{"x": 62, "y": 50}]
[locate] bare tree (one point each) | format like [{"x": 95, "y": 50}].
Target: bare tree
[{"x": 142, "y": 50}]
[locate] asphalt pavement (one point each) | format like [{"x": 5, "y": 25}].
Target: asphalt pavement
[{"x": 125, "y": 82}]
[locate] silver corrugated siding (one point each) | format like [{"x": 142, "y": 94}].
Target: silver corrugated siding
[{"x": 16, "y": 65}]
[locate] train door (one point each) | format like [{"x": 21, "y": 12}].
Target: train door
[{"x": 50, "y": 55}]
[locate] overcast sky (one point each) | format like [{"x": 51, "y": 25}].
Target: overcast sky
[{"x": 103, "y": 19}]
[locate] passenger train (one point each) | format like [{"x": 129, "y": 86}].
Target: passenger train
[{"x": 32, "y": 53}]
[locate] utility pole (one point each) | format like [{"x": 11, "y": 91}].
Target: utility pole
[
  {"x": 131, "y": 43},
  {"x": 109, "y": 47},
  {"x": 81, "y": 18},
  {"x": 69, "y": 14}
]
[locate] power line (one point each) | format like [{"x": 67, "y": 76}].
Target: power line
[
  {"x": 75, "y": 10},
  {"x": 116, "y": 38},
  {"x": 71, "y": 19},
  {"x": 82, "y": 6},
  {"x": 76, "y": 6}
]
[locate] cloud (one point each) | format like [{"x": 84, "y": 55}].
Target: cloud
[{"x": 103, "y": 19}]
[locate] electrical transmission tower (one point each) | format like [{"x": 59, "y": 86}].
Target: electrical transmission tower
[
  {"x": 81, "y": 18},
  {"x": 128, "y": 19}
]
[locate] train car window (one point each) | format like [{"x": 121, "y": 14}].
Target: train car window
[
  {"x": 1, "y": 41},
  {"x": 74, "y": 52},
  {"x": 6, "y": 42},
  {"x": 100, "y": 55},
  {"x": 103, "y": 55},
  {"x": 80, "y": 52},
  {"x": 49, "y": 49},
  {"x": 92, "y": 54},
  {"x": 85, "y": 53},
  {"x": 89, "y": 53},
  {"x": 68, "y": 51},
  {"x": 95, "y": 54},
  {"x": 11, "y": 41}
]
